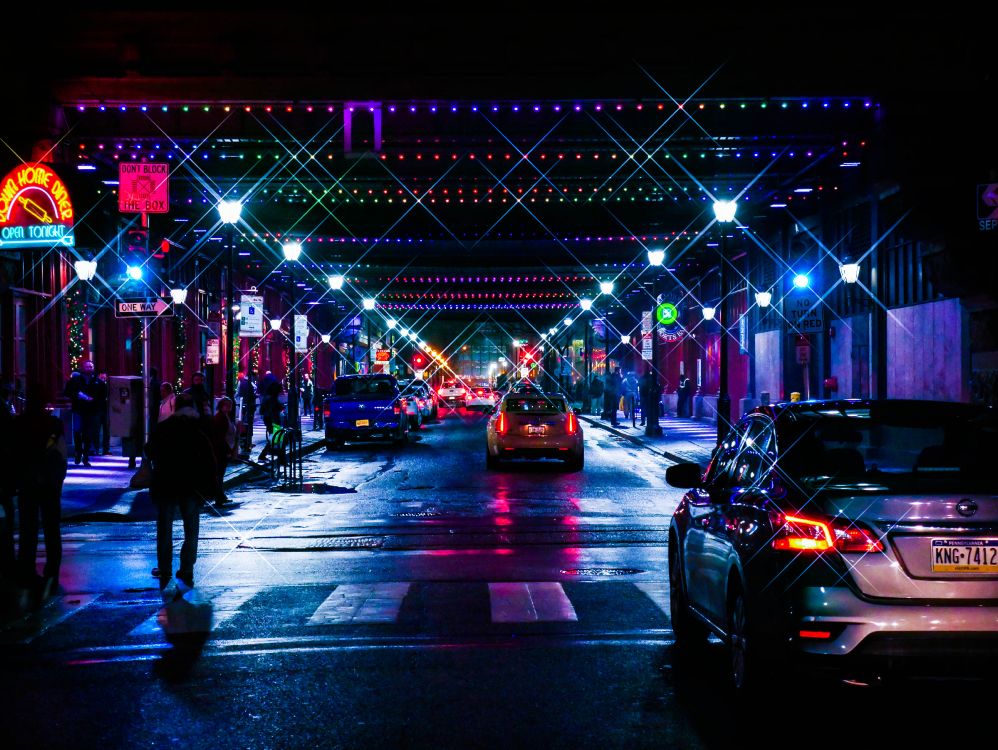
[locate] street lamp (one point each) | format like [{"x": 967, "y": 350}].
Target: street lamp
[
  {"x": 801, "y": 281},
  {"x": 179, "y": 296},
  {"x": 708, "y": 312},
  {"x": 586, "y": 304},
  {"x": 724, "y": 212},
  {"x": 656, "y": 257},
  {"x": 652, "y": 428},
  {"x": 86, "y": 269},
  {"x": 606, "y": 287},
  {"x": 275, "y": 324},
  {"x": 292, "y": 251},
  {"x": 335, "y": 282},
  {"x": 229, "y": 212},
  {"x": 763, "y": 299},
  {"x": 849, "y": 272}
]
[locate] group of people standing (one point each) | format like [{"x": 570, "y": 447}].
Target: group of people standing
[{"x": 605, "y": 395}]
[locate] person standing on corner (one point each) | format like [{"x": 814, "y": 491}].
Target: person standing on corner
[
  {"x": 224, "y": 442},
  {"x": 83, "y": 391},
  {"x": 246, "y": 393},
  {"x": 183, "y": 475},
  {"x": 307, "y": 393},
  {"x": 611, "y": 395},
  {"x": 40, "y": 456},
  {"x": 595, "y": 394},
  {"x": 270, "y": 407}
]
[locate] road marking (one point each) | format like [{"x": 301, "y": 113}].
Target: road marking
[
  {"x": 658, "y": 592},
  {"x": 225, "y": 606},
  {"x": 361, "y": 603},
  {"x": 530, "y": 602},
  {"x": 57, "y": 610}
]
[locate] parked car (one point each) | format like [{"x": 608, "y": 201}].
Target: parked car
[
  {"x": 365, "y": 407},
  {"x": 481, "y": 397},
  {"x": 854, "y": 536},
  {"x": 416, "y": 402},
  {"x": 534, "y": 426}
]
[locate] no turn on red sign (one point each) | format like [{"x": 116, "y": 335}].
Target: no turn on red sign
[{"x": 143, "y": 188}]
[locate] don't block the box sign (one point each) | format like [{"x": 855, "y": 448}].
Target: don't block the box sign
[{"x": 35, "y": 209}]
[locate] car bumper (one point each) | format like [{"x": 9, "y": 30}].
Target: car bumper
[
  {"x": 513, "y": 446},
  {"x": 377, "y": 431},
  {"x": 903, "y": 635}
]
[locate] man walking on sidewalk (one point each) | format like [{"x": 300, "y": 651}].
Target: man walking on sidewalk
[{"x": 611, "y": 396}]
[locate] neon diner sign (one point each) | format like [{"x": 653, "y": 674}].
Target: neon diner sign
[{"x": 35, "y": 209}]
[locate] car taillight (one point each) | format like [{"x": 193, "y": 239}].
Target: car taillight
[
  {"x": 399, "y": 406},
  {"x": 501, "y": 423},
  {"x": 571, "y": 424},
  {"x": 326, "y": 413},
  {"x": 479, "y": 391},
  {"x": 812, "y": 535}
]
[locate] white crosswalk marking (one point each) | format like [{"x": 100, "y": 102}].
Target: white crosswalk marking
[
  {"x": 361, "y": 603},
  {"x": 657, "y": 591},
  {"x": 530, "y": 602},
  {"x": 55, "y": 612},
  {"x": 225, "y": 606}
]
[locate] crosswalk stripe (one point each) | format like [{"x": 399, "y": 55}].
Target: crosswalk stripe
[
  {"x": 657, "y": 591},
  {"x": 56, "y": 611},
  {"x": 530, "y": 602},
  {"x": 361, "y": 603},
  {"x": 225, "y": 606}
]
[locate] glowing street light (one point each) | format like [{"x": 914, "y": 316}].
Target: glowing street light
[
  {"x": 724, "y": 211},
  {"x": 801, "y": 281},
  {"x": 708, "y": 313},
  {"x": 656, "y": 257},
  {"x": 606, "y": 287},
  {"x": 625, "y": 339},
  {"x": 552, "y": 331},
  {"x": 568, "y": 321},
  {"x": 335, "y": 282},
  {"x": 178, "y": 295},
  {"x": 292, "y": 251},
  {"x": 369, "y": 303},
  {"x": 229, "y": 211},
  {"x": 391, "y": 323},
  {"x": 275, "y": 324},
  {"x": 86, "y": 269},
  {"x": 763, "y": 298},
  {"x": 586, "y": 304},
  {"x": 134, "y": 273},
  {"x": 849, "y": 272},
  {"x": 326, "y": 338}
]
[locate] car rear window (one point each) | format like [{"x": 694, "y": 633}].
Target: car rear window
[
  {"x": 365, "y": 387},
  {"x": 535, "y": 405}
]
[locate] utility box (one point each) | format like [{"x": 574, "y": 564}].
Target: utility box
[{"x": 126, "y": 398}]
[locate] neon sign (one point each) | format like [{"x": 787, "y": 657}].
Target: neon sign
[{"x": 35, "y": 209}]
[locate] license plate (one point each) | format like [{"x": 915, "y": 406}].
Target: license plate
[
  {"x": 965, "y": 555},
  {"x": 536, "y": 429},
  {"x": 363, "y": 423}
]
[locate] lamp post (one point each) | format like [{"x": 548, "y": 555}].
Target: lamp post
[
  {"x": 650, "y": 411},
  {"x": 724, "y": 211},
  {"x": 229, "y": 212}
]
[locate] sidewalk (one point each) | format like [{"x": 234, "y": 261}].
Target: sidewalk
[
  {"x": 101, "y": 493},
  {"x": 681, "y": 440}
]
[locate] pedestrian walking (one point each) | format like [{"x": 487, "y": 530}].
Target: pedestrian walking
[
  {"x": 308, "y": 391},
  {"x": 224, "y": 443},
  {"x": 630, "y": 390},
  {"x": 83, "y": 391},
  {"x": 167, "y": 402},
  {"x": 199, "y": 393},
  {"x": 611, "y": 396},
  {"x": 246, "y": 393},
  {"x": 595, "y": 394},
  {"x": 183, "y": 475},
  {"x": 8, "y": 488},
  {"x": 40, "y": 458},
  {"x": 647, "y": 388},
  {"x": 270, "y": 407}
]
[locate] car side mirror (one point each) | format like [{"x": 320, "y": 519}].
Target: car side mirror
[{"x": 684, "y": 475}]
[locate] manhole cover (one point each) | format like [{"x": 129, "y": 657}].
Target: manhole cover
[
  {"x": 601, "y": 571},
  {"x": 314, "y": 544},
  {"x": 314, "y": 488}
]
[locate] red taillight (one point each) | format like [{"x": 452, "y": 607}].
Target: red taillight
[
  {"x": 326, "y": 413},
  {"x": 803, "y": 534},
  {"x": 399, "y": 405},
  {"x": 818, "y": 635},
  {"x": 811, "y": 535},
  {"x": 479, "y": 391},
  {"x": 501, "y": 423},
  {"x": 571, "y": 424}
]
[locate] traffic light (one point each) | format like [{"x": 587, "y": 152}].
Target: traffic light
[
  {"x": 135, "y": 252},
  {"x": 418, "y": 361}
]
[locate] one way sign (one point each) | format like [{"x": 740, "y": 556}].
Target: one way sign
[{"x": 142, "y": 308}]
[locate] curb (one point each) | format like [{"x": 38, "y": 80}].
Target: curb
[
  {"x": 249, "y": 468},
  {"x": 634, "y": 439}
]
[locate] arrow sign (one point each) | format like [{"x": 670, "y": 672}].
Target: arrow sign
[{"x": 143, "y": 308}]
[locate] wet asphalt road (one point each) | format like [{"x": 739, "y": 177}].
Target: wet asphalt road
[{"x": 409, "y": 598}]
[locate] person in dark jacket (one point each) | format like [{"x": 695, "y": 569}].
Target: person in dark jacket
[
  {"x": 84, "y": 391},
  {"x": 270, "y": 407},
  {"x": 224, "y": 442},
  {"x": 183, "y": 475},
  {"x": 596, "y": 393},
  {"x": 199, "y": 393},
  {"x": 611, "y": 396},
  {"x": 40, "y": 457},
  {"x": 246, "y": 393}
]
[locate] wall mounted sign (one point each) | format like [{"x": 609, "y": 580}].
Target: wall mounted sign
[
  {"x": 142, "y": 308},
  {"x": 35, "y": 209},
  {"x": 301, "y": 333}
]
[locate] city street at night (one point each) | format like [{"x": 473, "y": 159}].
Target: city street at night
[{"x": 550, "y": 376}]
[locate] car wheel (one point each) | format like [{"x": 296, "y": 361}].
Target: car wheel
[
  {"x": 436, "y": 414},
  {"x": 744, "y": 646},
  {"x": 577, "y": 463},
  {"x": 689, "y": 632},
  {"x": 403, "y": 434},
  {"x": 491, "y": 462}
]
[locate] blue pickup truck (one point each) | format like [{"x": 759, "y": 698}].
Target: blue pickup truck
[{"x": 365, "y": 407}]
